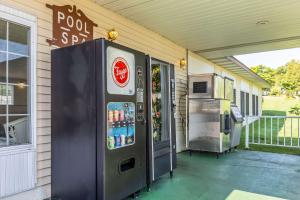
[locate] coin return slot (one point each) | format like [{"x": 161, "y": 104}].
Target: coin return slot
[{"x": 127, "y": 164}]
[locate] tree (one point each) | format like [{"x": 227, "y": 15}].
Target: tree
[
  {"x": 265, "y": 72},
  {"x": 283, "y": 80},
  {"x": 289, "y": 77}
]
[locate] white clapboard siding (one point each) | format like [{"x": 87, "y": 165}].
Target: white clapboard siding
[
  {"x": 130, "y": 34},
  {"x": 17, "y": 172}
]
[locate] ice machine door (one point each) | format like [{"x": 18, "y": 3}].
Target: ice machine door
[
  {"x": 218, "y": 90},
  {"x": 228, "y": 89}
]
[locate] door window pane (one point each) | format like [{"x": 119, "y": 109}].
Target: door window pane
[
  {"x": 6, "y": 97},
  {"x": 6, "y": 94},
  {"x": 2, "y": 35},
  {"x": 17, "y": 69},
  {"x": 19, "y": 98},
  {"x": 18, "y": 37},
  {"x": 2, "y": 67},
  {"x": 18, "y": 130},
  {"x": 2, "y": 131}
]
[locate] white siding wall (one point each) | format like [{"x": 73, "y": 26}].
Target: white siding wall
[
  {"x": 130, "y": 34},
  {"x": 198, "y": 65}
]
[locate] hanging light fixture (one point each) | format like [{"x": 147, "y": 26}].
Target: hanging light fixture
[
  {"x": 182, "y": 63},
  {"x": 112, "y": 34}
]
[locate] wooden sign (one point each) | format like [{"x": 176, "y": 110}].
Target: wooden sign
[{"x": 70, "y": 26}]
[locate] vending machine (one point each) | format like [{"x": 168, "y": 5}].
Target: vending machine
[
  {"x": 99, "y": 131},
  {"x": 161, "y": 117}
]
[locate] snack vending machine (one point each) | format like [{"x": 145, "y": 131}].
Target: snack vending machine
[
  {"x": 161, "y": 117},
  {"x": 99, "y": 140}
]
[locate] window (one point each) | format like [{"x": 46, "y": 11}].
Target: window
[
  {"x": 245, "y": 105},
  {"x": 254, "y": 105},
  {"x": 15, "y": 83},
  {"x": 234, "y": 96},
  {"x": 242, "y": 103}
]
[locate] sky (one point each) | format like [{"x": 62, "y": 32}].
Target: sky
[{"x": 272, "y": 59}]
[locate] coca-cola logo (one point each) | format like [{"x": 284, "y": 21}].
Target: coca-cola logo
[{"x": 120, "y": 72}]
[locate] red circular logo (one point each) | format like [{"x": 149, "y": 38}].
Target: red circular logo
[{"x": 120, "y": 72}]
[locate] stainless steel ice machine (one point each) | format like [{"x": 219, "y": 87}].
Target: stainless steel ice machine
[{"x": 209, "y": 122}]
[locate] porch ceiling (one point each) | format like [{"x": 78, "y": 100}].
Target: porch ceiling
[{"x": 217, "y": 29}]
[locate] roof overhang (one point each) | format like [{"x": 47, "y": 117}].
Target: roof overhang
[
  {"x": 218, "y": 30},
  {"x": 235, "y": 66}
]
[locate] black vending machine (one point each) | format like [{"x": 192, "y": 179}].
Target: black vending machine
[
  {"x": 161, "y": 118},
  {"x": 99, "y": 140}
]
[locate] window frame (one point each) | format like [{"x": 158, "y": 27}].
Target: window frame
[{"x": 24, "y": 19}]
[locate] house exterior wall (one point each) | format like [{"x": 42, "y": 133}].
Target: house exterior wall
[{"x": 131, "y": 35}]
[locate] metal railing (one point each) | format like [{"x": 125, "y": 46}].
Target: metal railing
[{"x": 272, "y": 130}]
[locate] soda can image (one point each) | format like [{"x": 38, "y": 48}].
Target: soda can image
[
  {"x": 121, "y": 113},
  {"x": 111, "y": 116},
  {"x": 111, "y": 142},
  {"x": 117, "y": 141},
  {"x": 123, "y": 142},
  {"x": 116, "y": 115}
]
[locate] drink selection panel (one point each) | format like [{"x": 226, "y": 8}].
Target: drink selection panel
[{"x": 120, "y": 124}]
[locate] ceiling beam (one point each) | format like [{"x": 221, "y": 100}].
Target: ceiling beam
[{"x": 247, "y": 44}]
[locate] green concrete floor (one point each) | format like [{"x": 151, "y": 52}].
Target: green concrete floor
[{"x": 202, "y": 176}]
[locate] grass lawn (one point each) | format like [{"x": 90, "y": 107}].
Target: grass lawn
[{"x": 283, "y": 131}]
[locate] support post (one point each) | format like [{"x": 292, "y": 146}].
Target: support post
[{"x": 247, "y": 133}]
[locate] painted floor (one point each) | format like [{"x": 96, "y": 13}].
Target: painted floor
[{"x": 239, "y": 175}]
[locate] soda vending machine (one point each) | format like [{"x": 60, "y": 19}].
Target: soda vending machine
[
  {"x": 99, "y": 141},
  {"x": 161, "y": 117}
]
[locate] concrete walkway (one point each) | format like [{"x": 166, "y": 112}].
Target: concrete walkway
[{"x": 238, "y": 175}]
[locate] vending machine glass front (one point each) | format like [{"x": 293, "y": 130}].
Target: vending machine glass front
[
  {"x": 120, "y": 124},
  {"x": 160, "y": 103}
]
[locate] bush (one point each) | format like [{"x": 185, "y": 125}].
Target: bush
[{"x": 295, "y": 110}]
